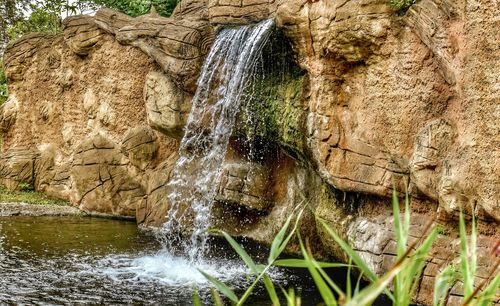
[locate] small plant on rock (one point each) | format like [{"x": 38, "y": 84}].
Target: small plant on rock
[
  {"x": 26, "y": 187},
  {"x": 399, "y": 5},
  {"x": 3, "y": 84}
]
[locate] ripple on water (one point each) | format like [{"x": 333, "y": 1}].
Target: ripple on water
[{"x": 129, "y": 270}]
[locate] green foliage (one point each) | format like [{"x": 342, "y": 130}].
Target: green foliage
[
  {"x": 30, "y": 197},
  {"x": 406, "y": 281},
  {"x": 216, "y": 298},
  {"x": 3, "y": 84},
  {"x": 196, "y": 297},
  {"x": 220, "y": 286},
  {"x": 404, "y": 275},
  {"x": 444, "y": 281},
  {"x": 140, "y": 7},
  {"x": 399, "y": 5},
  {"x": 23, "y": 186},
  {"x": 40, "y": 20},
  {"x": 474, "y": 294},
  {"x": 260, "y": 271},
  {"x": 486, "y": 296},
  {"x": 275, "y": 112},
  {"x": 10, "y": 12},
  {"x": 45, "y": 16},
  {"x": 467, "y": 256}
]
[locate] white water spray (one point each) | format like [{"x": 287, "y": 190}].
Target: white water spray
[{"x": 225, "y": 74}]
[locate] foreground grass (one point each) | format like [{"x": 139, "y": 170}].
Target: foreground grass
[
  {"x": 30, "y": 197},
  {"x": 399, "y": 283}
]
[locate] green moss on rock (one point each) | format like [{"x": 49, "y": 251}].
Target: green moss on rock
[
  {"x": 275, "y": 114},
  {"x": 29, "y": 197}
]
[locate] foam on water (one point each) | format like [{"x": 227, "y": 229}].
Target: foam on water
[
  {"x": 48, "y": 260},
  {"x": 169, "y": 269}
]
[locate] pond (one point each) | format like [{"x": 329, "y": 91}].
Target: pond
[{"x": 81, "y": 260}]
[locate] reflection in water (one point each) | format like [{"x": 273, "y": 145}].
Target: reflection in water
[{"x": 61, "y": 260}]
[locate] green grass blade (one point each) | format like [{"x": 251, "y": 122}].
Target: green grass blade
[
  {"x": 400, "y": 245},
  {"x": 196, "y": 297},
  {"x": 220, "y": 286},
  {"x": 301, "y": 263},
  {"x": 398, "y": 227},
  {"x": 360, "y": 263},
  {"x": 358, "y": 284},
  {"x": 294, "y": 298},
  {"x": 464, "y": 260},
  {"x": 278, "y": 240},
  {"x": 268, "y": 283},
  {"x": 486, "y": 296},
  {"x": 370, "y": 293},
  {"x": 417, "y": 263},
  {"x": 407, "y": 215},
  {"x": 329, "y": 280},
  {"x": 473, "y": 249},
  {"x": 249, "y": 290},
  {"x": 290, "y": 296},
  {"x": 444, "y": 281},
  {"x": 290, "y": 235},
  {"x": 279, "y": 244},
  {"x": 216, "y": 298},
  {"x": 348, "y": 290},
  {"x": 243, "y": 254},
  {"x": 322, "y": 287}
]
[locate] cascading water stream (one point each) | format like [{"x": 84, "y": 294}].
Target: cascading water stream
[
  {"x": 63, "y": 266},
  {"x": 225, "y": 74}
]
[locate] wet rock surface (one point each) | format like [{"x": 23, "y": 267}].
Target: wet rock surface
[{"x": 383, "y": 99}]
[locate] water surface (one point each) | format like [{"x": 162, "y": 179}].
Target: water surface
[{"x": 76, "y": 260}]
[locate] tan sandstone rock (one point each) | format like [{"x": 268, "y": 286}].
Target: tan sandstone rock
[{"x": 382, "y": 100}]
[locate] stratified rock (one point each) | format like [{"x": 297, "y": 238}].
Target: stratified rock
[
  {"x": 17, "y": 167},
  {"x": 140, "y": 146},
  {"x": 240, "y": 11},
  {"x": 71, "y": 92},
  {"x": 178, "y": 45},
  {"x": 245, "y": 184},
  {"x": 425, "y": 165},
  {"x": 81, "y": 34},
  {"x": 8, "y": 113},
  {"x": 20, "y": 53},
  {"x": 101, "y": 179},
  {"x": 376, "y": 100},
  {"x": 165, "y": 105}
]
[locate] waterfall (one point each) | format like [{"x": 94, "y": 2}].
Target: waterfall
[{"x": 226, "y": 73}]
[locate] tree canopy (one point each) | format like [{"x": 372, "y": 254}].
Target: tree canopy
[
  {"x": 140, "y": 7},
  {"x": 18, "y": 17},
  {"x": 22, "y": 16}
]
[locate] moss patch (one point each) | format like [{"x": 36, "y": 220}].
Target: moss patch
[
  {"x": 400, "y": 5},
  {"x": 275, "y": 114},
  {"x": 30, "y": 197},
  {"x": 273, "y": 110}
]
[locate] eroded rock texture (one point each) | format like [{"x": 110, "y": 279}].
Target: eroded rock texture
[
  {"x": 75, "y": 125},
  {"x": 377, "y": 99}
]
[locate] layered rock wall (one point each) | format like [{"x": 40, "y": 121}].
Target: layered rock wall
[
  {"x": 376, "y": 99},
  {"x": 75, "y": 125}
]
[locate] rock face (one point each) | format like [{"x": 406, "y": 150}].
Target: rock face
[
  {"x": 75, "y": 125},
  {"x": 376, "y": 99}
]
